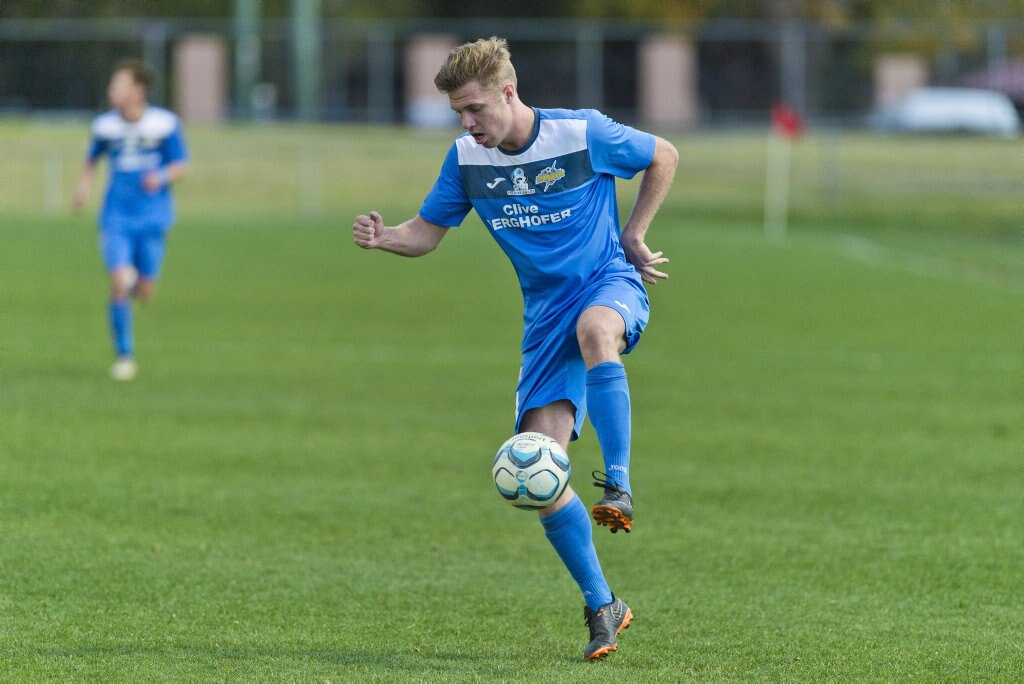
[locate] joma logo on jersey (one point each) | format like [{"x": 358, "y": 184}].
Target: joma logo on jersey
[{"x": 550, "y": 175}]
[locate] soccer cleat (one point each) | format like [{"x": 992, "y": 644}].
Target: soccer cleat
[
  {"x": 615, "y": 509},
  {"x": 605, "y": 624},
  {"x": 124, "y": 369}
]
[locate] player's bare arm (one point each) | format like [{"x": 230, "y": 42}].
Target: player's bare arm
[
  {"x": 654, "y": 186},
  {"x": 85, "y": 180},
  {"x": 413, "y": 238}
]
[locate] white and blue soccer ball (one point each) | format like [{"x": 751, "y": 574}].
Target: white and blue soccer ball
[{"x": 531, "y": 470}]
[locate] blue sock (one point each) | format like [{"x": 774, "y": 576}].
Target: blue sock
[
  {"x": 570, "y": 533},
  {"x": 608, "y": 405},
  {"x": 121, "y": 326}
]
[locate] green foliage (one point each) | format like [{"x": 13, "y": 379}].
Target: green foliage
[
  {"x": 830, "y": 11},
  {"x": 296, "y": 487},
  {"x": 69, "y": 9}
]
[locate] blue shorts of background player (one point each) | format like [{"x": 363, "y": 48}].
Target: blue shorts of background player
[
  {"x": 133, "y": 259},
  {"x": 141, "y": 250},
  {"x": 554, "y": 369}
]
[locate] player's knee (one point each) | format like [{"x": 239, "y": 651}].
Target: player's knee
[
  {"x": 145, "y": 290},
  {"x": 567, "y": 496},
  {"x": 119, "y": 289},
  {"x": 595, "y": 334}
]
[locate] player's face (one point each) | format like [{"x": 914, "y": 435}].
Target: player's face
[
  {"x": 123, "y": 91},
  {"x": 486, "y": 114}
]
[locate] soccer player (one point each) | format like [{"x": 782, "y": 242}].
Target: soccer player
[
  {"x": 146, "y": 151},
  {"x": 543, "y": 181}
]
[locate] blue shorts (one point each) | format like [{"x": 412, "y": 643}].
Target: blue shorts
[
  {"x": 142, "y": 249},
  {"x": 554, "y": 369}
]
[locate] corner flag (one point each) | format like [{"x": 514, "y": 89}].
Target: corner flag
[{"x": 787, "y": 127}]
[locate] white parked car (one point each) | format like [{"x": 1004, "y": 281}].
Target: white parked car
[{"x": 950, "y": 110}]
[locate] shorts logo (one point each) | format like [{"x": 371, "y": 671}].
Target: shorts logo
[
  {"x": 550, "y": 175},
  {"x": 623, "y": 306},
  {"x": 520, "y": 186},
  {"x": 494, "y": 183}
]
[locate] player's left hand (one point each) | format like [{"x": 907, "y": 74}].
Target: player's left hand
[
  {"x": 645, "y": 261},
  {"x": 79, "y": 198},
  {"x": 152, "y": 181}
]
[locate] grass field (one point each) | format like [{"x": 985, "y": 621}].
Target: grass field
[{"x": 828, "y": 429}]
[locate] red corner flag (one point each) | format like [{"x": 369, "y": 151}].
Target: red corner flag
[{"x": 786, "y": 121}]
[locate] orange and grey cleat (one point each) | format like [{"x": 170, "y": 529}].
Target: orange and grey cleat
[
  {"x": 605, "y": 623},
  {"x": 615, "y": 509}
]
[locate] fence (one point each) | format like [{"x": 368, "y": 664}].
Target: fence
[{"x": 356, "y": 71}]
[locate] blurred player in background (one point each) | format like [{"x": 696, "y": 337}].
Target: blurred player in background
[
  {"x": 543, "y": 181},
  {"x": 147, "y": 153}
]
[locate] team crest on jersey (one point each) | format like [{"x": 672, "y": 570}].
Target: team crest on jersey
[
  {"x": 520, "y": 185},
  {"x": 550, "y": 175}
]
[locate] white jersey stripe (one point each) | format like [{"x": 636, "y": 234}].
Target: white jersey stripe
[{"x": 556, "y": 138}]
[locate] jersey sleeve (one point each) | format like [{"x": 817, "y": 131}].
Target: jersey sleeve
[
  {"x": 97, "y": 146},
  {"x": 173, "y": 149},
  {"x": 617, "y": 149},
  {"x": 447, "y": 203}
]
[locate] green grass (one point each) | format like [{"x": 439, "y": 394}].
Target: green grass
[{"x": 828, "y": 433}]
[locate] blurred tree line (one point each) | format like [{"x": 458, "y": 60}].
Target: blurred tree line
[
  {"x": 830, "y": 12},
  {"x": 956, "y": 37}
]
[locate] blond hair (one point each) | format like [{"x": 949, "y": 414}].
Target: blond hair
[{"x": 486, "y": 61}]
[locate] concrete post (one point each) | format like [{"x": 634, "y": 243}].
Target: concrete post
[
  {"x": 380, "y": 101},
  {"x": 200, "y": 83},
  {"x": 896, "y": 75},
  {"x": 154, "y": 50},
  {"x": 246, "y": 29},
  {"x": 424, "y": 106},
  {"x": 589, "y": 66},
  {"x": 668, "y": 82},
  {"x": 793, "y": 66},
  {"x": 307, "y": 58}
]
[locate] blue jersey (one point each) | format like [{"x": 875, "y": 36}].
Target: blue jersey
[
  {"x": 135, "y": 148},
  {"x": 550, "y": 206}
]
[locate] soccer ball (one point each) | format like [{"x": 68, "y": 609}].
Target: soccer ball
[{"x": 531, "y": 470}]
